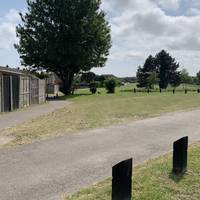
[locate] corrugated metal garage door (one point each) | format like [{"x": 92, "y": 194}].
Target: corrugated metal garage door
[
  {"x": 34, "y": 91},
  {"x": 25, "y": 92},
  {"x": 15, "y": 91},
  {"x": 6, "y": 93}
]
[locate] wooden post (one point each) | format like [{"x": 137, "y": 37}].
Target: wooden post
[
  {"x": 122, "y": 180},
  {"x": 180, "y": 156}
]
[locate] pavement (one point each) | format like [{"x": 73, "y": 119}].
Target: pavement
[
  {"x": 11, "y": 119},
  {"x": 49, "y": 169}
]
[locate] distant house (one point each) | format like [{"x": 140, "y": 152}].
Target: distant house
[{"x": 19, "y": 89}]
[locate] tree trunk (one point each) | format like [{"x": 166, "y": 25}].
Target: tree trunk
[{"x": 67, "y": 84}]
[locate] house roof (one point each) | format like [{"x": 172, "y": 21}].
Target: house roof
[{"x": 10, "y": 70}]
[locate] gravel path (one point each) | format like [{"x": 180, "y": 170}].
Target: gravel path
[
  {"x": 47, "y": 170},
  {"x": 11, "y": 119}
]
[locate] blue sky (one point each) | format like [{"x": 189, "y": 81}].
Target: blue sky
[
  {"x": 6, "y": 5},
  {"x": 139, "y": 28}
]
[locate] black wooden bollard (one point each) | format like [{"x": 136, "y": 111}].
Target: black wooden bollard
[
  {"x": 134, "y": 90},
  {"x": 173, "y": 91},
  {"x": 180, "y": 156},
  {"x": 198, "y": 90},
  {"x": 122, "y": 180},
  {"x": 185, "y": 91}
]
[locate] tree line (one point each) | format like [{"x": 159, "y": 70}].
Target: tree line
[
  {"x": 88, "y": 78},
  {"x": 163, "y": 70}
]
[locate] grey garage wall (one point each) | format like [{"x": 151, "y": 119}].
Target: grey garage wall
[
  {"x": 0, "y": 93},
  {"x": 42, "y": 91},
  {"x": 24, "y": 94},
  {"x": 20, "y": 91}
]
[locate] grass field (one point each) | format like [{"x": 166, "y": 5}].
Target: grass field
[
  {"x": 90, "y": 111},
  {"x": 154, "y": 181}
]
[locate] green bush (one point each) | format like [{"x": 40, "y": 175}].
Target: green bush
[
  {"x": 98, "y": 84},
  {"x": 93, "y": 87},
  {"x": 110, "y": 85},
  {"x": 118, "y": 83}
]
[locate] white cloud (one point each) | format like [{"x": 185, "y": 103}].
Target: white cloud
[
  {"x": 195, "y": 3},
  {"x": 194, "y": 8},
  {"x": 12, "y": 16},
  {"x": 139, "y": 28},
  {"x": 143, "y": 27},
  {"x": 193, "y": 12},
  {"x": 7, "y": 29},
  {"x": 168, "y": 4}
]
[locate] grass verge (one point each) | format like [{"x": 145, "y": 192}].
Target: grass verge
[
  {"x": 91, "y": 111},
  {"x": 153, "y": 181}
]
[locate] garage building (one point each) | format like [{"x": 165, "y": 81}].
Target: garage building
[{"x": 19, "y": 89}]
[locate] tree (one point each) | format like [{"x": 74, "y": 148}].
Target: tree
[
  {"x": 152, "y": 79},
  {"x": 185, "y": 77},
  {"x": 167, "y": 69},
  {"x": 198, "y": 78},
  {"x": 88, "y": 77},
  {"x": 175, "y": 79},
  {"x": 110, "y": 85},
  {"x": 144, "y": 72},
  {"x": 64, "y": 37},
  {"x": 40, "y": 75}
]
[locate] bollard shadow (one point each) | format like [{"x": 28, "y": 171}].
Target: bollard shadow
[
  {"x": 63, "y": 97},
  {"x": 176, "y": 177}
]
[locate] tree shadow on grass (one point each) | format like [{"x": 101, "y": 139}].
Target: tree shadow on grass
[
  {"x": 72, "y": 96},
  {"x": 68, "y": 97},
  {"x": 131, "y": 90},
  {"x": 176, "y": 177}
]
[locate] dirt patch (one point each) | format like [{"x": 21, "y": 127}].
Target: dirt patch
[{"x": 5, "y": 140}]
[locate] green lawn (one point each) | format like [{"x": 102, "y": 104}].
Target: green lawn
[
  {"x": 90, "y": 111},
  {"x": 153, "y": 181}
]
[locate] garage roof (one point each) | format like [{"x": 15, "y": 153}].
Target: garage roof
[{"x": 9, "y": 70}]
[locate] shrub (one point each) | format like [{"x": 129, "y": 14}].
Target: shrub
[
  {"x": 118, "y": 83},
  {"x": 110, "y": 85},
  {"x": 93, "y": 87},
  {"x": 98, "y": 84}
]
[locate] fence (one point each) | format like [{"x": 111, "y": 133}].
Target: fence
[{"x": 166, "y": 90}]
